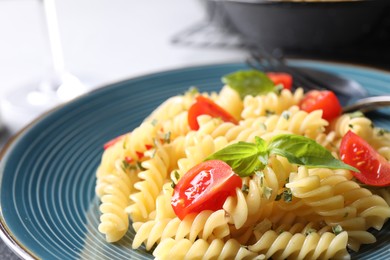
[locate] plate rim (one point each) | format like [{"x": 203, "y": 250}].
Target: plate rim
[{"x": 7, "y": 235}]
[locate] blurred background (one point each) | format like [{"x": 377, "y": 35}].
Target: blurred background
[
  {"x": 105, "y": 41},
  {"x": 102, "y": 42}
]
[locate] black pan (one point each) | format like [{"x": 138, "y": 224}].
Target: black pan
[{"x": 306, "y": 25}]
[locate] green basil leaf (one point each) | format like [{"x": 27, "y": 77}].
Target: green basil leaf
[
  {"x": 243, "y": 157},
  {"x": 249, "y": 82},
  {"x": 305, "y": 151}
]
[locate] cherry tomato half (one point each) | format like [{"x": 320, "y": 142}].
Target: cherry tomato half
[
  {"x": 374, "y": 168},
  {"x": 205, "y": 106},
  {"x": 204, "y": 187},
  {"x": 325, "y": 100},
  {"x": 281, "y": 78}
]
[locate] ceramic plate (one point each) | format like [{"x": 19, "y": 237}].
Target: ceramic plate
[{"x": 47, "y": 174}]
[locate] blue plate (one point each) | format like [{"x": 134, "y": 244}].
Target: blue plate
[{"x": 47, "y": 174}]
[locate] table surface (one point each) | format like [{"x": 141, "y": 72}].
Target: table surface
[{"x": 103, "y": 41}]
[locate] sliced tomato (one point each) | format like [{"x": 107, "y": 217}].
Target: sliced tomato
[
  {"x": 205, "y": 106},
  {"x": 324, "y": 100},
  {"x": 204, "y": 187},
  {"x": 374, "y": 168},
  {"x": 281, "y": 78}
]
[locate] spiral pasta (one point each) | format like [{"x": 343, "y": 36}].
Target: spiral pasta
[
  {"x": 152, "y": 177},
  {"x": 202, "y": 249},
  {"x": 205, "y": 225},
  {"x": 300, "y": 246},
  {"x": 253, "y": 203},
  {"x": 270, "y": 103},
  {"x": 292, "y": 120},
  {"x": 280, "y": 211},
  {"x": 362, "y": 126},
  {"x": 114, "y": 221},
  {"x": 230, "y": 99},
  {"x": 338, "y": 200}
]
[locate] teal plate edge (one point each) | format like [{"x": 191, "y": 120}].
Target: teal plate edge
[{"x": 48, "y": 208}]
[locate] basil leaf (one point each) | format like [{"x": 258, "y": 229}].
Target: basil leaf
[
  {"x": 243, "y": 157},
  {"x": 249, "y": 82},
  {"x": 305, "y": 151}
]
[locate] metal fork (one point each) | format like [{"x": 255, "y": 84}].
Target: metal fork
[
  {"x": 262, "y": 60},
  {"x": 308, "y": 78}
]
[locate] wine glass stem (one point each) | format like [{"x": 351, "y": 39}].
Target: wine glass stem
[{"x": 55, "y": 45}]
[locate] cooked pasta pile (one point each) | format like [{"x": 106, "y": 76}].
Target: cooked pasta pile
[{"x": 328, "y": 211}]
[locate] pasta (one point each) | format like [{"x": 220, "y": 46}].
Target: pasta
[
  {"x": 203, "y": 225},
  {"x": 217, "y": 248},
  {"x": 282, "y": 210}
]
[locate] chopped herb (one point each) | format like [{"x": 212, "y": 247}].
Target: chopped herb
[
  {"x": 350, "y": 126},
  {"x": 286, "y": 115},
  {"x": 356, "y": 114},
  {"x": 267, "y": 192},
  {"x": 337, "y": 229},
  {"x": 175, "y": 176},
  {"x": 309, "y": 231},
  {"x": 260, "y": 174},
  {"x": 192, "y": 91},
  {"x": 382, "y": 132},
  {"x": 155, "y": 142},
  {"x": 263, "y": 126},
  {"x": 153, "y": 153},
  {"x": 139, "y": 165},
  {"x": 245, "y": 189},
  {"x": 167, "y": 137},
  {"x": 278, "y": 89},
  {"x": 127, "y": 166},
  {"x": 286, "y": 195},
  {"x": 154, "y": 122},
  {"x": 269, "y": 112}
]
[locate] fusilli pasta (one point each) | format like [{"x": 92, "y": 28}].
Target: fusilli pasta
[{"x": 281, "y": 211}]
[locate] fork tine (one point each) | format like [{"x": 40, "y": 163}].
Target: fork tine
[
  {"x": 264, "y": 61},
  {"x": 269, "y": 62},
  {"x": 255, "y": 64}
]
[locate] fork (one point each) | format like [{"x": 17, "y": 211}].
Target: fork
[{"x": 262, "y": 60}]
